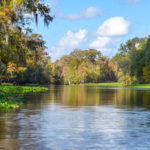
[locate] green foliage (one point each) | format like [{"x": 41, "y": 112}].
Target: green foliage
[
  {"x": 146, "y": 74},
  {"x": 84, "y": 66},
  {"x": 22, "y": 54},
  {"x": 143, "y": 86},
  {"x": 133, "y": 61},
  {"x": 6, "y": 105},
  {"x": 7, "y": 84},
  {"x": 21, "y": 89},
  {"x": 11, "y": 96},
  {"x": 111, "y": 84},
  {"x": 121, "y": 85}
]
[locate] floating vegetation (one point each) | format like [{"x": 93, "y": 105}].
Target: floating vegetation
[{"x": 11, "y": 96}]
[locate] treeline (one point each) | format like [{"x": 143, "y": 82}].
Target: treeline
[
  {"x": 133, "y": 61},
  {"x": 130, "y": 65},
  {"x": 23, "y": 58},
  {"x": 84, "y": 66}
]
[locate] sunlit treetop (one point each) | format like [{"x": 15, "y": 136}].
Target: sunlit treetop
[{"x": 17, "y": 11}]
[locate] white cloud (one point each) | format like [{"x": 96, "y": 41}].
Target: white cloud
[
  {"x": 71, "y": 41},
  {"x": 106, "y": 39},
  {"x": 116, "y": 26},
  {"x": 100, "y": 42},
  {"x": 107, "y": 45},
  {"x": 90, "y": 12},
  {"x": 107, "y": 35}
]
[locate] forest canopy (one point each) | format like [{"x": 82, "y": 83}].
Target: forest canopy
[
  {"x": 22, "y": 53},
  {"x": 130, "y": 65},
  {"x": 23, "y": 56}
]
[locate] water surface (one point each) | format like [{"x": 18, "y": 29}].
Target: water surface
[{"x": 79, "y": 118}]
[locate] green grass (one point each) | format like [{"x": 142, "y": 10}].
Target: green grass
[
  {"x": 21, "y": 89},
  {"x": 116, "y": 84},
  {"x": 11, "y": 96},
  {"x": 7, "y": 84},
  {"x": 143, "y": 86}
]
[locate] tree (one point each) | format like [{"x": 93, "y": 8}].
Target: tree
[
  {"x": 146, "y": 74},
  {"x": 133, "y": 60},
  {"x": 13, "y": 13},
  {"x": 22, "y": 54},
  {"x": 84, "y": 66}
]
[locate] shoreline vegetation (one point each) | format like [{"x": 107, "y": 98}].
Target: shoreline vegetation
[
  {"x": 11, "y": 96},
  {"x": 119, "y": 85},
  {"x": 130, "y": 65},
  {"x": 24, "y": 57}
]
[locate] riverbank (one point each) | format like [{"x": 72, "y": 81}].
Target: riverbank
[
  {"x": 11, "y": 96},
  {"x": 115, "y": 84}
]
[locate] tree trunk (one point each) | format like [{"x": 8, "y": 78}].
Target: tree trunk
[{"x": 6, "y": 38}]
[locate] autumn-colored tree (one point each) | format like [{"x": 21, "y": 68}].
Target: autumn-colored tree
[
  {"x": 22, "y": 54},
  {"x": 84, "y": 66}
]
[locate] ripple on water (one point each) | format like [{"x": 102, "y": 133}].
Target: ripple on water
[{"x": 79, "y": 118}]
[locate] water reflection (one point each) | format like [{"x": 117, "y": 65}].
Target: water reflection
[
  {"x": 79, "y": 118},
  {"x": 74, "y": 96}
]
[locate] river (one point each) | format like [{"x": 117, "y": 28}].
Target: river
[{"x": 79, "y": 118}]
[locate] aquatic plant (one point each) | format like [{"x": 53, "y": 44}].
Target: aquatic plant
[{"x": 11, "y": 96}]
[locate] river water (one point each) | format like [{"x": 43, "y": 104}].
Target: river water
[{"x": 79, "y": 118}]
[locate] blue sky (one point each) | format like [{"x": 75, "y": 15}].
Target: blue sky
[{"x": 99, "y": 24}]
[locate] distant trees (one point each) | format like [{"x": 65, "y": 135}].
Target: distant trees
[
  {"x": 130, "y": 65},
  {"x": 133, "y": 61},
  {"x": 84, "y": 66},
  {"x": 23, "y": 57}
]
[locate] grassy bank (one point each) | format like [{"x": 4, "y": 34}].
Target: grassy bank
[
  {"x": 11, "y": 96},
  {"x": 143, "y": 86},
  {"x": 115, "y": 84}
]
